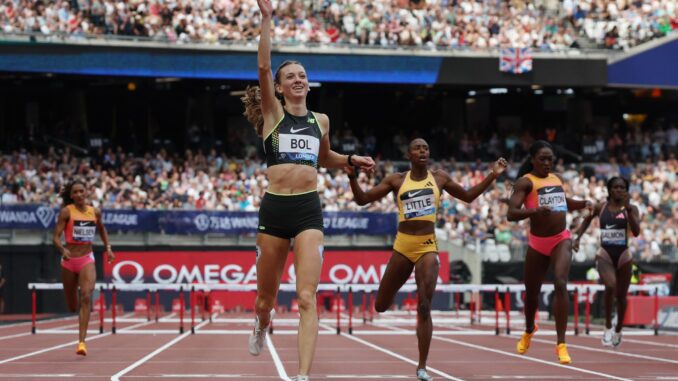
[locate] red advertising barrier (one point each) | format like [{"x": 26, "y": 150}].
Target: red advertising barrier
[{"x": 239, "y": 267}]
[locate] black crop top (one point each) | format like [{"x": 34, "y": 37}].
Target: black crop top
[{"x": 294, "y": 140}]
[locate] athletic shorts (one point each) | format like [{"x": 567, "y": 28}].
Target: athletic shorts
[
  {"x": 285, "y": 216},
  {"x": 415, "y": 246},
  {"x": 545, "y": 245},
  {"x": 75, "y": 265},
  {"x": 617, "y": 258}
]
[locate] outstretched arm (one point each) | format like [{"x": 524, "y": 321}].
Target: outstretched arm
[
  {"x": 468, "y": 195},
  {"x": 330, "y": 159},
  {"x": 271, "y": 108},
  {"x": 378, "y": 192}
]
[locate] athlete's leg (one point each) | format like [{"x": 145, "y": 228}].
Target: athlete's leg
[
  {"x": 397, "y": 272},
  {"x": 608, "y": 275},
  {"x": 308, "y": 251},
  {"x": 271, "y": 257},
  {"x": 623, "y": 283},
  {"x": 561, "y": 255},
  {"x": 86, "y": 280},
  {"x": 70, "y": 282},
  {"x": 426, "y": 274},
  {"x": 536, "y": 265}
]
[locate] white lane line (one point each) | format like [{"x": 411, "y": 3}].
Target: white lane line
[
  {"x": 36, "y": 375},
  {"x": 63, "y": 345},
  {"x": 185, "y": 376},
  {"x": 276, "y": 360},
  {"x": 50, "y": 349},
  {"x": 635, "y": 341},
  {"x": 116, "y": 377},
  {"x": 399, "y": 357},
  {"x": 570, "y": 367},
  {"x": 613, "y": 352},
  {"x": 46, "y": 320}
]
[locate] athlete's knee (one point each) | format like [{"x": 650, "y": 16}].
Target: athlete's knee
[
  {"x": 611, "y": 287},
  {"x": 306, "y": 299},
  {"x": 560, "y": 284},
  {"x": 85, "y": 297},
  {"x": 264, "y": 302},
  {"x": 424, "y": 309}
]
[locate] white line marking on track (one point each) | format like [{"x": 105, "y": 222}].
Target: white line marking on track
[
  {"x": 570, "y": 367},
  {"x": 613, "y": 352},
  {"x": 50, "y": 349},
  {"x": 36, "y": 375},
  {"x": 399, "y": 357},
  {"x": 648, "y": 343},
  {"x": 276, "y": 360},
  {"x": 184, "y": 376},
  {"x": 63, "y": 345},
  {"x": 371, "y": 376},
  {"x": 116, "y": 377}
]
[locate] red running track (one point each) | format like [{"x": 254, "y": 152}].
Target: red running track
[{"x": 153, "y": 351}]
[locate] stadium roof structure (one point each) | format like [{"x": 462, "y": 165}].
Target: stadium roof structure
[{"x": 653, "y": 64}]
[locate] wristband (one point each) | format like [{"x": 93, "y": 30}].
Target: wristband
[{"x": 350, "y": 162}]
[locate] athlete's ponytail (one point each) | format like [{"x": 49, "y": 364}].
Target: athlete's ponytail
[
  {"x": 527, "y": 165},
  {"x": 252, "y": 102}
]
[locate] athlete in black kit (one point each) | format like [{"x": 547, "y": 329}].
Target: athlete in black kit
[
  {"x": 296, "y": 141},
  {"x": 618, "y": 218}
]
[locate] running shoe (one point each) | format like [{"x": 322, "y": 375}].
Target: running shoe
[
  {"x": 616, "y": 339},
  {"x": 423, "y": 376},
  {"x": 563, "y": 356},
  {"x": 301, "y": 378},
  {"x": 258, "y": 336},
  {"x": 607, "y": 337},
  {"x": 524, "y": 343},
  {"x": 82, "y": 349}
]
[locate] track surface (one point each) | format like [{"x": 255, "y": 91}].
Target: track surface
[{"x": 382, "y": 350}]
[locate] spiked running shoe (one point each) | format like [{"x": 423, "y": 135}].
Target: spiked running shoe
[
  {"x": 258, "y": 336},
  {"x": 423, "y": 376},
  {"x": 524, "y": 343},
  {"x": 607, "y": 337},
  {"x": 82, "y": 349},
  {"x": 616, "y": 339},
  {"x": 563, "y": 356}
]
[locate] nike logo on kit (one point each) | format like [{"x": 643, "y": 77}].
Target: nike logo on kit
[
  {"x": 549, "y": 190},
  {"x": 609, "y": 226},
  {"x": 412, "y": 194},
  {"x": 292, "y": 130}
]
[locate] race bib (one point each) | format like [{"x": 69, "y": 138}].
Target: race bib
[
  {"x": 613, "y": 237},
  {"x": 418, "y": 202},
  {"x": 83, "y": 231},
  {"x": 552, "y": 197},
  {"x": 299, "y": 147}
]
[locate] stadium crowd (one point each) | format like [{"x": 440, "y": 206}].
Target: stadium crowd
[
  {"x": 118, "y": 180},
  {"x": 475, "y": 24}
]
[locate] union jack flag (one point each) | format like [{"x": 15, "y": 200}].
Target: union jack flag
[{"x": 515, "y": 60}]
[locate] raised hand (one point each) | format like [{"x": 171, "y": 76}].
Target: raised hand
[
  {"x": 499, "y": 166},
  {"x": 266, "y": 8}
]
